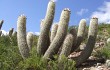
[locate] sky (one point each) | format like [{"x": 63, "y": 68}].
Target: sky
[{"x": 35, "y": 10}]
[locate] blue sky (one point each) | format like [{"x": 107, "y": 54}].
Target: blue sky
[{"x": 35, "y": 11}]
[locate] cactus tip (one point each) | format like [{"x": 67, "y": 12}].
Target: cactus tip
[
  {"x": 22, "y": 15},
  {"x": 42, "y": 20},
  {"x": 67, "y": 9},
  {"x": 52, "y": 0},
  {"x": 83, "y": 20},
  {"x": 94, "y": 18}
]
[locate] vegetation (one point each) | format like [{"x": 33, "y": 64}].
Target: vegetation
[{"x": 25, "y": 51}]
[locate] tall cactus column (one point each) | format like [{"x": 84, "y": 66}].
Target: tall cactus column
[
  {"x": 66, "y": 47},
  {"x": 60, "y": 36},
  {"x": 91, "y": 41},
  {"x": 30, "y": 40},
  {"x": 53, "y": 32},
  {"x": 21, "y": 36},
  {"x": 1, "y": 23},
  {"x": 43, "y": 41},
  {"x": 80, "y": 34},
  {"x": 11, "y": 32}
]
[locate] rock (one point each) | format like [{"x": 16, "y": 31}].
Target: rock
[
  {"x": 107, "y": 63},
  {"x": 98, "y": 64},
  {"x": 82, "y": 46},
  {"x": 108, "y": 40},
  {"x": 97, "y": 45},
  {"x": 102, "y": 43},
  {"x": 93, "y": 68},
  {"x": 86, "y": 68}
]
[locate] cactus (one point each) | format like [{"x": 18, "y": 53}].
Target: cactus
[
  {"x": 80, "y": 34},
  {"x": 90, "y": 43},
  {"x": 41, "y": 24},
  {"x": 53, "y": 32},
  {"x": 11, "y": 32},
  {"x": 1, "y": 23},
  {"x": 0, "y": 32},
  {"x": 60, "y": 36},
  {"x": 66, "y": 47},
  {"x": 21, "y": 36},
  {"x": 30, "y": 40},
  {"x": 74, "y": 33},
  {"x": 14, "y": 34},
  {"x": 43, "y": 41}
]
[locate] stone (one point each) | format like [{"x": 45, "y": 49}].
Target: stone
[
  {"x": 107, "y": 63},
  {"x": 108, "y": 40}
]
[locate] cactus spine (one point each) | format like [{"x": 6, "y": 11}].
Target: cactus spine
[
  {"x": 21, "y": 36},
  {"x": 30, "y": 40},
  {"x": 91, "y": 41},
  {"x": 80, "y": 34},
  {"x": 61, "y": 33},
  {"x": 44, "y": 33},
  {"x": 53, "y": 32}
]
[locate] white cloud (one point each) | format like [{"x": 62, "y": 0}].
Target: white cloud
[
  {"x": 103, "y": 13},
  {"x": 4, "y": 32},
  {"x": 82, "y": 11},
  {"x": 37, "y": 33}
]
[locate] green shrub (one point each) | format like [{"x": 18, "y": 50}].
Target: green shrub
[
  {"x": 9, "y": 54},
  {"x": 104, "y": 52},
  {"x": 34, "y": 62}
]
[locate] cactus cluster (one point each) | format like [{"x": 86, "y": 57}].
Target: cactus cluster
[{"x": 48, "y": 45}]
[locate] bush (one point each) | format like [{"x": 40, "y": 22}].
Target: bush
[
  {"x": 9, "y": 54},
  {"x": 104, "y": 52},
  {"x": 35, "y": 62}
]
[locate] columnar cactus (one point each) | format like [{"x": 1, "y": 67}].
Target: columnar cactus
[
  {"x": 74, "y": 33},
  {"x": 1, "y": 23},
  {"x": 80, "y": 34},
  {"x": 0, "y": 32},
  {"x": 21, "y": 36},
  {"x": 60, "y": 36},
  {"x": 66, "y": 47},
  {"x": 30, "y": 40},
  {"x": 44, "y": 33},
  {"x": 41, "y": 23},
  {"x": 14, "y": 33},
  {"x": 11, "y": 32},
  {"x": 90, "y": 43},
  {"x": 53, "y": 31}
]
